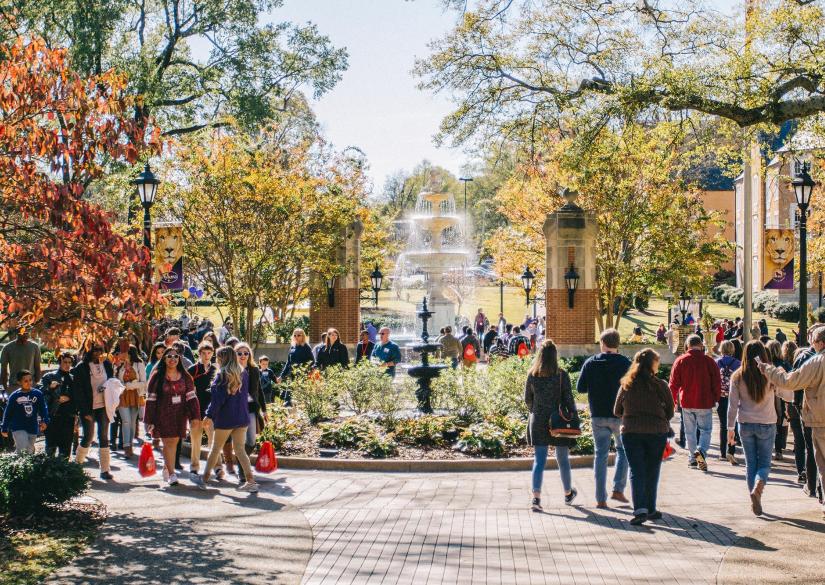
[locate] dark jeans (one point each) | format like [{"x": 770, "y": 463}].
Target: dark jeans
[
  {"x": 802, "y": 444},
  {"x": 115, "y": 430},
  {"x": 59, "y": 434},
  {"x": 644, "y": 453},
  {"x": 722, "y": 412},
  {"x": 781, "y": 440},
  {"x": 102, "y": 421}
]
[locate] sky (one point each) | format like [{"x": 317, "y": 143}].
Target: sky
[{"x": 376, "y": 105}]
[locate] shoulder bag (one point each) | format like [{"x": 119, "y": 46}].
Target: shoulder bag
[{"x": 564, "y": 424}]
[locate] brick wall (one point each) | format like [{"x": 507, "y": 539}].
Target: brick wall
[
  {"x": 345, "y": 316},
  {"x": 576, "y": 325}
]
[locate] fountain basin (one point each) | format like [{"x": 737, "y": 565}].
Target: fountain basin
[{"x": 426, "y": 372}]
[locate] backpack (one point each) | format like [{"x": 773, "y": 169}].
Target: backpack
[
  {"x": 470, "y": 353},
  {"x": 726, "y": 375},
  {"x": 522, "y": 350}
]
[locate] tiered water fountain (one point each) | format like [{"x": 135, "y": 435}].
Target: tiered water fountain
[{"x": 436, "y": 250}]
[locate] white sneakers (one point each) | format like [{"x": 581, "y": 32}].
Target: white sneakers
[{"x": 249, "y": 486}]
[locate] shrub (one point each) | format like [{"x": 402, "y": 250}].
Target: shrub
[
  {"x": 282, "y": 428},
  {"x": 786, "y": 312},
  {"x": 483, "y": 439},
  {"x": 818, "y": 315},
  {"x": 573, "y": 364},
  {"x": 735, "y": 297},
  {"x": 350, "y": 434},
  {"x": 312, "y": 395},
  {"x": 585, "y": 445},
  {"x": 664, "y": 371},
  {"x": 514, "y": 429},
  {"x": 359, "y": 387},
  {"x": 426, "y": 431},
  {"x": 28, "y": 482},
  {"x": 379, "y": 447}
]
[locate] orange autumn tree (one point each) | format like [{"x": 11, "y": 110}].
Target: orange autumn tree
[{"x": 64, "y": 271}]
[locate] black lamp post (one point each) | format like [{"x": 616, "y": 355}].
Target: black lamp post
[
  {"x": 684, "y": 304},
  {"x": 501, "y": 296},
  {"x": 803, "y": 186},
  {"x": 330, "y": 283},
  {"x": 376, "y": 278},
  {"x": 571, "y": 279},
  {"x": 147, "y": 187},
  {"x": 701, "y": 305},
  {"x": 527, "y": 279},
  {"x": 820, "y": 289}
]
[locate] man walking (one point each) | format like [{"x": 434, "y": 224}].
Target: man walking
[
  {"x": 387, "y": 353},
  {"x": 451, "y": 347},
  {"x": 17, "y": 356},
  {"x": 481, "y": 323},
  {"x": 599, "y": 379},
  {"x": 696, "y": 385}
]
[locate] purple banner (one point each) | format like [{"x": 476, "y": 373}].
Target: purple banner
[{"x": 777, "y": 260}]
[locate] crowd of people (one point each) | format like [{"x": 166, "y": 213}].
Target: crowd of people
[
  {"x": 485, "y": 340},
  {"x": 757, "y": 390}
]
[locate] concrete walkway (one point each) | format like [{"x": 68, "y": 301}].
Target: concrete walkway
[{"x": 465, "y": 528}]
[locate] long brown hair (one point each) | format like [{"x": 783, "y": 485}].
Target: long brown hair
[
  {"x": 641, "y": 369},
  {"x": 774, "y": 349},
  {"x": 159, "y": 371},
  {"x": 546, "y": 362},
  {"x": 755, "y": 381}
]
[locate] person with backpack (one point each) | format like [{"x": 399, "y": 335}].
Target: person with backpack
[
  {"x": 470, "y": 348},
  {"x": 600, "y": 379},
  {"x": 451, "y": 347},
  {"x": 728, "y": 364},
  {"x": 519, "y": 344}
]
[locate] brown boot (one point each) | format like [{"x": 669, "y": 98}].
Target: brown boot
[
  {"x": 619, "y": 497},
  {"x": 756, "y": 497},
  {"x": 128, "y": 452}
]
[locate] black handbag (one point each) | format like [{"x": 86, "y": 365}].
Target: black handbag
[{"x": 564, "y": 424}]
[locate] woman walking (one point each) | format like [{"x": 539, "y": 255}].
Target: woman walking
[
  {"x": 170, "y": 404},
  {"x": 90, "y": 377},
  {"x": 728, "y": 364},
  {"x": 752, "y": 406},
  {"x": 547, "y": 390},
  {"x": 255, "y": 401},
  {"x": 645, "y": 406},
  {"x": 229, "y": 412},
  {"x": 130, "y": 370},
  {"x": 333, "y": 353}
]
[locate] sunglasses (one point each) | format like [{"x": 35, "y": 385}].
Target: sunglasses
[
  {"x": 172, "y": 356},
  {"x": 243, "y": 353}
]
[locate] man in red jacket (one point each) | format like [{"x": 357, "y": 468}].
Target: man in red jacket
[{"x": 696, "y": 385}]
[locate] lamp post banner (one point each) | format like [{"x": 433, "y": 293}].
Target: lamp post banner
[
  {"x": 777, "y": 259},
  {"x": 168, "y": 257}
]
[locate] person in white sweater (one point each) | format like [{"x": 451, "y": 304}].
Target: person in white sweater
[{"x": 751, "y": 404}]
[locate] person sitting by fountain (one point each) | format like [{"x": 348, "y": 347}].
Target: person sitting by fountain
[
  {"x": 334, "y": 353},
  {"x": 519, "y": 344},
  {"x": 365, "y": 347},
  {"x": 451, "y": 347},
  {"x": 386, "y": 354},
  {"x": 470, "y": 348}
]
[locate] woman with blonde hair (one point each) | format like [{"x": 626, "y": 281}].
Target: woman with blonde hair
[
  {"x": 752, "y": 406},
  {"x": 229, "y": 412},
  {"x": 300, "y": 354},
  {"x": 645, "y": 405},
  {"x": 546, "y": 391}
]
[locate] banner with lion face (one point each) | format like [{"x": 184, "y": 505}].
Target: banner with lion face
[
  {"x": 167, "y": 257},
  {"x": 777, "y": 259}
]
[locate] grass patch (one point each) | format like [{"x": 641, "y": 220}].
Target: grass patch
[{"x": 33, "y": 547}]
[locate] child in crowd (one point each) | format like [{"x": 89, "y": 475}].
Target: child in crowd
[{"x": 26, "y": 414}]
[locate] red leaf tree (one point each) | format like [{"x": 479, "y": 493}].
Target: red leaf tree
[{"x": 64, "y": 271}]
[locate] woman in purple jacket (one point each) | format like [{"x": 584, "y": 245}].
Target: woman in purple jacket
[{"x": 229, "y": 412}]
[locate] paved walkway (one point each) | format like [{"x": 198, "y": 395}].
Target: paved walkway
[{"x": 471, "y": 528}]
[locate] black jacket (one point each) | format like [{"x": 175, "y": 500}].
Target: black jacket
[
  {"x": 599, "y": 379},
  {"x": 258, "y": 402},
  {"x": 363, "y": 353},
  {"x": 543, "y": 397},
  {"x": 83, "y": 391},
  {"x": 65, "y": 387},
  {"x": 335, "y": 354},
  {"x": 299, "y": 355}
]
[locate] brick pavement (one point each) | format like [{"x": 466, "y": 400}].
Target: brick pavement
[{"x": 476, "y": 528}]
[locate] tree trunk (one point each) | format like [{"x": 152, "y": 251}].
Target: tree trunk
[{"x": 250, "y": 322}]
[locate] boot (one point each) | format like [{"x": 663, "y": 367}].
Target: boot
[
  {"x": 128, "y": 452},
  {"x": 80, "y": 456},
  {"x": 105, "y": 461},
  {"x": 756, "y": 497}
]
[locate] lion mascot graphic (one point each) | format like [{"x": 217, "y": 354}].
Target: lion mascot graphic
[
  {"x": 168, "y": 251},
  {"x": 779, "y": 250}
]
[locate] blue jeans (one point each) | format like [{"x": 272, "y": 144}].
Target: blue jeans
[
  {"x": 603, "y": 429},
  {"x": 701, "y": 418},
  {"x": 128, "y": 417},
  {"x": 23, "y": 441},
  {"x": 757, "y": 443},
  {"x": 562, "y": 456},
  {"x": 644, "y": 453}
]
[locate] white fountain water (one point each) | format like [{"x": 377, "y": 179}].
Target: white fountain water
[{"x": 435, "y": 249}]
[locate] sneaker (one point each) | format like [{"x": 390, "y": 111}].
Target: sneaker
[
  {"x": 657, "y": 515},
  {"x": 535, "y": 505},
  {"x": 220, "y": 474},
  {"x": 173, "y": 479},
  {"x": 701, "y": 462},
  {"x": 198, "y": 481},
  {"x": 732, "y": 459},
  {"x": 802, "y": 478},
  {"x": 619, "y": 497},
  {"x": 778, "y": 456},
  {"x": 106, "y": 475},
  {"x": 249, "y": 486},
  {"x": 693, "y": 464},
  {"x": 568, "y": 498},
  {"x": 638, "y": 519},
  {"x": 807, "y": 491}
]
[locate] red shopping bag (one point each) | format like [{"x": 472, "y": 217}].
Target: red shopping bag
[
  {"x": 146, "y": 463},
  {"x": 668, "y": 452},
  {"x": 267, "y": 462}
]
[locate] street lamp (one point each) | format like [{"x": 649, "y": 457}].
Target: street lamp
[
  {"x": 571, "y": 279},
  {"x": 803, "y": 186},
  {"x": 376, "y": 278},
  {"x": 501, "y": 296},
  {"x": 329, "y": 281},
  {"x": 684, "y": 304},
  {"x": 669, "y": 298},
  {"x": 465, "y": 180},
  {"x": 701, "y": 303},
  {"x": 147, "y": 187},
  {"x": 527, "y": 279}
]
